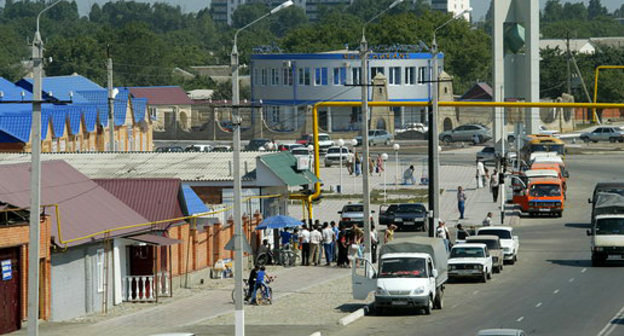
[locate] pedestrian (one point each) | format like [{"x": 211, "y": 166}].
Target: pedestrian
[
  {"x": 315, "y": 242},
  {"x": 494, "y": 185},
  {"x": 461, "y": 201},
  {"x": 356, "y": 244},
  {"x": 350, "y": 164},
  {"x": 358, "y": 164},
  {"x": 286, "y": 236},
  {"x": 485, "y": 177},
  {"x": 343, "y": 247},
  {"x": 408, "y": 175},
  {"x": 380, "y": 164},
  {"x": 480, "y": 174},
  {"x": 443, "y": 232},
  {"x": 487, "y": 221},
  {"x": 251, "y": 281},
  {"x": 295, "y": 239},
  {"x": 475, "y": 139},
  {"x": 265, "y": 248},
  {"x": 328, "y": 240},
  {"x": 371, "y": 165},
  {"x": 334, "y": 250},
  {"x": 305, "y": 246},
  {"x": 389, "y": 234},
  {"x": 259, "y": 282},
  {"x": 374, "y": 242},
  {"x": 461, "y": 234}
]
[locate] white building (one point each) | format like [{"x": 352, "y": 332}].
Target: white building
[
  {"x": 452, "y": 6},
  {"x": 287, "y": 83}
]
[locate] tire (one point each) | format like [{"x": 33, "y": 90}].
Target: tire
[
  {"x": 387, "y": 143},
  {"x": 501, "y": 266},
  {"x": 612, "y": 140},
  {"x": 484, "y": 277},
  {"x": 489, "y": 275},
  {"x": 289, "y": 259},
  {"x": 262, "y": 259},
  {"x": 438, "y": 303},
  {"x": 479, "y": 140},
  {"x": 597, "y": 260},
  {"x": 497, "y": 269},
  {"x": 585, "y": 140},
  {"x": 595, "y": 141},
  {"x": 447, "y": 140},
  {"x": 429, "y": 307},
  {"x": 327, "y": 165}
]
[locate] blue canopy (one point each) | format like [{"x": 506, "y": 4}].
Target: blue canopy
[{"x": 278, "y": 222}]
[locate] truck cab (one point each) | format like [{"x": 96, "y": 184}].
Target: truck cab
[
  {"x": 541, "y": 196},
  {"x": 607, "y": 226}
]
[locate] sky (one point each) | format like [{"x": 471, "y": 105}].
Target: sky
[{"x": 480, "y": 7}]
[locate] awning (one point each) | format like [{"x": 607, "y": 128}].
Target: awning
[
  {"x": 155, "y": 239},
  {"x": 283, "y": 165}
]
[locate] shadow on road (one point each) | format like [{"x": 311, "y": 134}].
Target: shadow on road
[
  {"x": 572, "y": 263},
  {"x": 578, "y": 225},
  {"x": 350, "y": 307}
]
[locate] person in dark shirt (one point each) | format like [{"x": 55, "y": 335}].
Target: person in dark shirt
[
  {"x": 251, "y": 281},
  {"x": 462, "y": 234},
  {"x": 259, "y": 282}
]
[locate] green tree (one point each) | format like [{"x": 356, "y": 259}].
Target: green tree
[
  {"x": 553, "y": 11},
  {"x": 596, "y": 9}
]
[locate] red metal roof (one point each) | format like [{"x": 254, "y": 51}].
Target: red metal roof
[
  {"x": 85, "y": 208},
  {"x": 155, "y": 199},
  {"x": 162, "y": 95}
]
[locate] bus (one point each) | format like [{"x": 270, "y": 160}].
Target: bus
[{"x": 542, "y": 143}]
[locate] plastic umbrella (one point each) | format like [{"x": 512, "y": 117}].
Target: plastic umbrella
[{"x": 278, "y": 222}]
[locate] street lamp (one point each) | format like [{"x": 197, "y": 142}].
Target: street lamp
[
  {"x": 434, "y": 154},
  {"x": 365, "y": 144},
  {"x": 239, "y": 313},
  {"x": 384, "y": 157},
  {"x": 35, "y": 184},
  {"x": 340, "y": 144},
  {"x": 396, "y": 148}
]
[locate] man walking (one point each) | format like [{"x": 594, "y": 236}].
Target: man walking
[
  {"x": 315, "y": 242},
  {"x": 461, "y": 201},
  {"x": 328, "y": 240},
  {"x": 408, "y": 175},
  {"x": 305, "y": 246}
]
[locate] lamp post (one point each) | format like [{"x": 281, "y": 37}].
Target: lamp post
[
  {"x": 354, "y": 143},
  {"x": 35, "y": 184},
  {"x": 396, "y": 148},
  {"x": 365, "y": 144},
  {"x": 239, "y": 313},
  {"x": 384, "y": 157},
  {"x": 434, "y": 158},
  {"x": 340, "y": 145},
  {"x": 310, "y": 156}
]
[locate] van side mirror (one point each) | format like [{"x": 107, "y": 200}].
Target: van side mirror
[
  {"x": 566, "y": 174},
  {"x": 589, "y": 200},
  {"x": 515, "y": 237},
  {"x": 434, "y": 273},
  {"x": 589, "y": 233},
  {"x": 372, "y": 211},
  {"x": 340, "y": 211}
]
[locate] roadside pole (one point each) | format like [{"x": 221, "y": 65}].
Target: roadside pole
[{"x": 365, "y": 148}]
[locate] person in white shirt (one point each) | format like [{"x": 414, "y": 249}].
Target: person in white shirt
[
  {"x": 480, "y": 174},
  {"x": 315, "y": 242},
  {"x": 443, "y": 232},
  {"x": 328, "y": 240},
  {"x": 305, "y": 246}
]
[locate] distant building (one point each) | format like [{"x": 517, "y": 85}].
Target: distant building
[
  {"x": 451, "y": 6},
  {"x": 166, "y": 105},
  {"x": 577, "y": 46}
]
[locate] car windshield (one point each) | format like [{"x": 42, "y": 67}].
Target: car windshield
[
  {"x": 545, "y": 190},
  {"x": 324, "y": 138},
  {"x": 410, "y": 208},
  {"x": 298, "y": 151},
  {"x": 502, "y": 234},
  {"x": 491, "y": 244},
  {"x": 548, "y": 148},
  {"x": 333, "y": 151},
  {"x": 610, "y": 226},
  {"x": 467, "y": 252},
  {"x": 402, "y": 268},
  {"x": 353, "y": 208}
]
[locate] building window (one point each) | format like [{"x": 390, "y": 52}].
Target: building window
[
  {"x": 153, "y": 113},
  {"x": 423, "y": 75},
  {"x": 340, "y": 76},
  {"x": 274, "y": 77},
  {"x": 287, "y": 77},
  {"x": 410, "y": 76},
  {"x": 320, "y": 76},
  {"x": 99, "y": 264},
  {"x": 264, "y": 76},
  {"x": 395, "y": 76},
  {"x": 300, "y": 76},
  {"x": 376, "y": 70},
  {"x": 275, "y": 114},
  {"x": 256, "y": 78},
  {"x": 356, "y": 75},
  {"x": 307, "y": 75}
]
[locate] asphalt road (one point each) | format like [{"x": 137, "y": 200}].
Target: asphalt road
[{"x": 552, "y": 290}]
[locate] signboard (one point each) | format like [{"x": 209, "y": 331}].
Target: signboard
[{"x": 7, "y": 273}]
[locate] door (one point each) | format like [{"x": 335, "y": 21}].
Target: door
[
  {"x": 363, "y": 278},
  {"x": 10, "y": 305}
]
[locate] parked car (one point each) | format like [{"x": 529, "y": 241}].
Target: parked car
[
  {"x": 288, "y": 147},
  {"x": 353, "y": 214},
  {"x": 466, "y": 133},
  {"x": 487, "y": 154},
  {"x": 222, "y": 148},
  {"x": 199, "y": 148},
  {"x": 509, "y": 242},
  {"x": 417, "y": 127},
  {"x": 376, "y": 137},
  {"x": 494, "y": 247},
  {"x": 333, "y": 155},
  {"x": 404, "y": 216},
  {"x": 255, "y": 144},
  {"x": 604, "y": 133},
  {"x": 169, "y": 149},
  {"x": 325, "y": 141},
  {"x": 470, "y": 261}
]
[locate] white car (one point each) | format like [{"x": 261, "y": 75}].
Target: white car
[
  {"x": 510, "y": 243},
  {"x": 470, "y": 261},
  {"x": 304, "y": 152},
  {"x": 333, "y": 156}
]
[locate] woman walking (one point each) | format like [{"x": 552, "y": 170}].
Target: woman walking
[
  {"x": 461, "y": 201},
  {"x": 358, "y": 164},
  {"x": 494, "y": 185},
  {"x": 380, "y": 162},
  {"x": 343, "y": 248}
]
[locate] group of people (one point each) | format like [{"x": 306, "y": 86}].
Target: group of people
[
  {"x": 483, "y": 177},
  {"x": 354, "y": 165}
]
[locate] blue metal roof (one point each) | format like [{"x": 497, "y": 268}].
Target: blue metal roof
[
  {"x": 59, "y": 117},
  {"x": 352, "y": 55},
  {"x": 192, "y": 203},
  {"x": 11, "y": 91},
  {"x": 61, "y": 86},
  {"x": 75, "y": 114},
  {"x": 16, "y": 122}
]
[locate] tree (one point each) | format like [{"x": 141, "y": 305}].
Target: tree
[
  {"x": 595, "y": 9},
  {"x": 247, "y": 13},
  {"x": 553, "y": 11}
]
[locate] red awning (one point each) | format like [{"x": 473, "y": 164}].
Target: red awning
[{"x": 155, "y": 239}]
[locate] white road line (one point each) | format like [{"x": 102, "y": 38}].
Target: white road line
[
  {"x": 538, "y": 305},
  {"x": 520, "y": 319},
  {"x": 556, "y": 291},
  {"x": 608, "y": 329},
  {"x": 475, "y": 292},
  {"x": 455, "y": 306},
  {"x": 584, "y": 270},
  {"x": 571, "y": 280}
]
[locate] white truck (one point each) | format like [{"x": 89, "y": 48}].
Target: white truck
[
  {"x": 509, "y": 242},
  {"x": 607, "y": 223},
  {"x": 411, "y": 275},
  {"x": 470, "y": 260}
]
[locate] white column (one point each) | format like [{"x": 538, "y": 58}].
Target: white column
[{"x": 329, "y": 120}]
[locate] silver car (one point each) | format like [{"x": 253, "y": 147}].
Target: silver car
[
  {"x": 604, "y": 133},
  {"x": 474, "y": 133},
  {"x": 377, "y": 137}
]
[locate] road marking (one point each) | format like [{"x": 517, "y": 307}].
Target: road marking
[
  {"x": 455, "y": 306},
  {"x": 571, "y": 280},
  {"x": 475, "y": 292},
  {"x": 584, "y": 270},
  {"x": 556, "y": 291},
  {"x": 608, "y": 329},
  {"x": 520, "y": 319},
  {"x": 538, "y": 305}
]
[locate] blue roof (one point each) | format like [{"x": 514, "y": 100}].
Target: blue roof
[
  {"x": 192, "y": 203},
  {"x": 12, "y": 91},
  {"x": 61, "y": 86},
  {"x": 16, "y": 122},
  {"x": 352, "y": 55}
]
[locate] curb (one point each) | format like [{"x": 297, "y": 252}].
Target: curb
[
  {"x": 316, "y": 333},
  {"x": 356, "y": 315}
]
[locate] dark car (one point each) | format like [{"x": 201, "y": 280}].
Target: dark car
[
  {"x": 255, "y": 144},
  {"x": 405, "y": 216},
  {"x": 169, "y": 149}
]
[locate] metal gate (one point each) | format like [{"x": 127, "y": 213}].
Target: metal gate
[{"x": 10, "y": 305}]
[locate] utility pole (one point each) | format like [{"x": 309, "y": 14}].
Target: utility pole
[
  {"x": 365, "y": 148},
  {"x": 434, "y": 154},
  {"x": 568, "y": 63},
  {"x": 35, "y": 184},
  {"x": 111, "y": 101}
]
